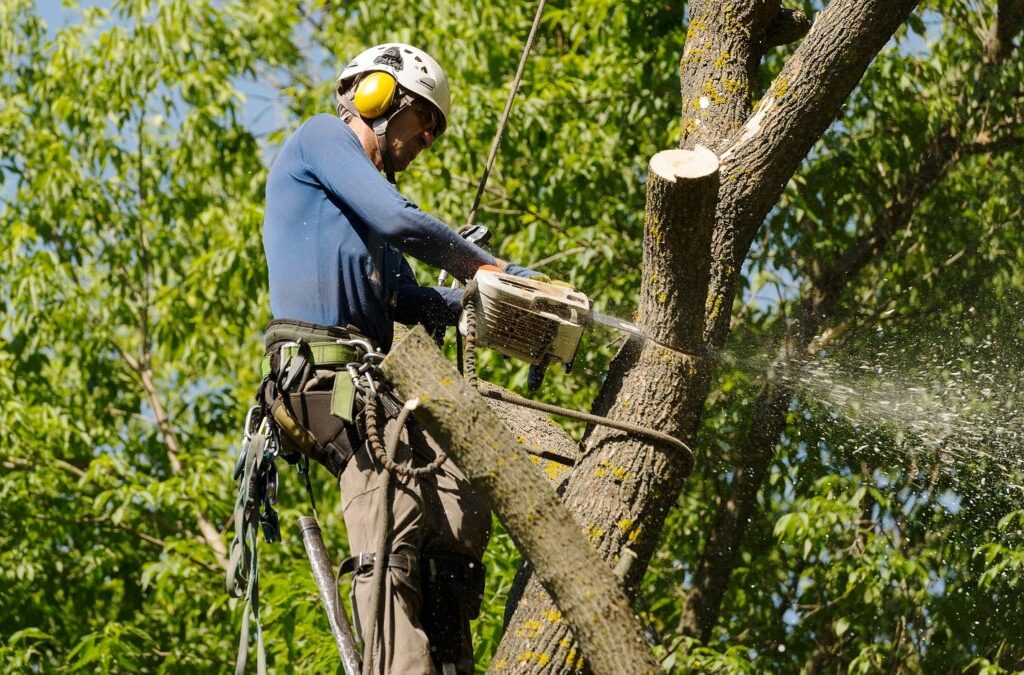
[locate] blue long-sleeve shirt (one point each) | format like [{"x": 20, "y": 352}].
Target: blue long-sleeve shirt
[{"x": 334, "y": 231}]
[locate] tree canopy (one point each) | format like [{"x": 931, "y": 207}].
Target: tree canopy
[{"x": 857, "y": 500}]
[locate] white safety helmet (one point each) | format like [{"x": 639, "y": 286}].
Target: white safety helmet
[{"x": 413, "y": 70}]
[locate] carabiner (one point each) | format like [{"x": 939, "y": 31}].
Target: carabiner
[
  {"x": 247, "y": 425},
  {"x": 370, "y": 384},
  {"x": 357, "y": 342}
]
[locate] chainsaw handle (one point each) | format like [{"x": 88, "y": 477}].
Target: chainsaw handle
[{"x": 475, "y": 234}]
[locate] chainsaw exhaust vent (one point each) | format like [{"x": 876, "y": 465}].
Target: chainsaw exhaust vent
[{"x": 526, "y": 319}]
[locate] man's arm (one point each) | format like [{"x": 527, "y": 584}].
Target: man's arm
[
  {"x": 337, "y": 160},
  {"x": 430, "y": 306}
]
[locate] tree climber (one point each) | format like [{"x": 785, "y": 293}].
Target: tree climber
[{"x": 334, "y": 234}]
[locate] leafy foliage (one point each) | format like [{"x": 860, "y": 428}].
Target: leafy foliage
[{"x": 135, "y": 143}]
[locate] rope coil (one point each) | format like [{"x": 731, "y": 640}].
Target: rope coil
[{"x": 386, "y": 456}]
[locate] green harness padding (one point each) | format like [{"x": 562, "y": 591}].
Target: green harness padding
[{"x": 325, "y": 354}]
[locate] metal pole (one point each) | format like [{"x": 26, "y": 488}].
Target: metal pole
[{"x": 323, "y": 574}]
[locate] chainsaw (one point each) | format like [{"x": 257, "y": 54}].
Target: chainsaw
[
  {"x": 534, "y": 321},
  {"x": 541, "y": 323}
]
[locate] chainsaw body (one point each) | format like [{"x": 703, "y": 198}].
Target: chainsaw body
[{"x": 531, "y": 320}]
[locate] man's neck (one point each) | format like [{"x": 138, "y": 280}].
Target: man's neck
[{"x": 367, "y": 139}]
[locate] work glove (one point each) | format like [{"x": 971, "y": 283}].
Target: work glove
[
  {"x": 526, "y": 273},
  {"x": 518, "y": 271}
]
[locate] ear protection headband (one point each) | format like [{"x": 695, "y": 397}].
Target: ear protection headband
[{"x": 374, "y": 94}]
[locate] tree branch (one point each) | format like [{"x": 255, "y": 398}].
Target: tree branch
[
  {"x": 789, "y": 25},
  {"x": 594, "y": 605},
  {"x": 724, "y": 47},
  {"x": 1009, "y": 22},
  {"x": 801, "y": 103}
]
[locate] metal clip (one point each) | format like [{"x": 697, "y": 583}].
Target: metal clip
[
  {"x": 374, "y": 357},
  {"x": 370, "y": 383},
  {"x": 356, "y": 342},
  {"x": 247, "y": 425}
]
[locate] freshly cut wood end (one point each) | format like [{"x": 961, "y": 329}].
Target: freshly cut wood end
[{"x": 675, "y": 164}]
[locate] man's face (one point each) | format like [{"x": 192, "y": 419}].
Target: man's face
[{"x": 410, "y": 132}]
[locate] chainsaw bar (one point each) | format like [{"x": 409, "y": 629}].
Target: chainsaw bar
[{"x": 618, "y": 324}]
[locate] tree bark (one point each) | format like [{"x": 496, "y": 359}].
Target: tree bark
[
  {"x": 719, "y": 66},
  {"x": 594, "y": 604},
  {"x": 541, "y": 437},
  {"x": 1009, "y": 21},
  {"x": 622, "y": 488},
  {"x": 800, "y": 104},
  {"x": 718, "y": 561}
]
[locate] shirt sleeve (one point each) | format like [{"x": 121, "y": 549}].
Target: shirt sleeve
[{"x": 337, "y": 161}]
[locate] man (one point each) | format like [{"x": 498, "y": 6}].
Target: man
[{"x": 334, "y": 234}]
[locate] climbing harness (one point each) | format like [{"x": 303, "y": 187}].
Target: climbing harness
[
  {"x": 321, "y": 396},
  {"x": 295, "y": 418}
]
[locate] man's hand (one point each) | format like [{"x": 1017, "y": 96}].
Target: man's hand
[{"x": 526, "y": 272}]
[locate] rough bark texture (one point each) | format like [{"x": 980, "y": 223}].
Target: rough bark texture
[
  {"x": 719, "y": 64},
  {"x": 724, "y": 47},
  {"x": 682, "y": 187},
  {"x": 828, "y": 281},
  {"x": 622, "y": 488},
  {"x": 538, "y": 434},
  {"x": 801, "y": 103},
  {"x": 1009, "y": 20},
  {"x": 534, "y": 430},
  {"x": 460, "y": 419}
]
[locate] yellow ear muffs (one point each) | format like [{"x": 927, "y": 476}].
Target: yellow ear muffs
[{"x": 374, "y": 94}]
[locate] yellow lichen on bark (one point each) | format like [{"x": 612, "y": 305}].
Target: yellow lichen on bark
[
  {"x": 553, "y": 470},
  {"x": 780, "y": 87}
]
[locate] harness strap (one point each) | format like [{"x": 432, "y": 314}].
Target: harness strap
[
  {"x": 324, "y": 354},
  {"x": 362, "y": 563},
  {"x": 254, "y": 491}
]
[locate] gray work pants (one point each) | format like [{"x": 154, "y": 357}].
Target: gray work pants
[{"x": 437, "y": 513}]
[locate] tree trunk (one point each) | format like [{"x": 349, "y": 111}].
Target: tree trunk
[
  {"x": 716, "y": 565},
  {"x": 462, "y": 422},
  {"x": 631, "y": 484},
  {"x": 621, "y": 490}
]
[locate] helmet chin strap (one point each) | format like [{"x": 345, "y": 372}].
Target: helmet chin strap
[{"x": 380, "y": 130}]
